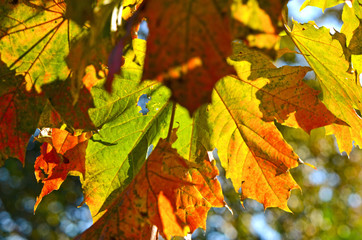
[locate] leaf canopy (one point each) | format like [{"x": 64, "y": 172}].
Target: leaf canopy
[{"x": 206, "y": 71}]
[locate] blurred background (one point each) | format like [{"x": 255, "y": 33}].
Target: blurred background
[{"x": 328, "y": 207}]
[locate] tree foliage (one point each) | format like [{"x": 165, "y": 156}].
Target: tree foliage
[{"x": 78, "y": 70}]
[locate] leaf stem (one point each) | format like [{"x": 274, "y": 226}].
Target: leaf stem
[{"x": 171, "y": 121}]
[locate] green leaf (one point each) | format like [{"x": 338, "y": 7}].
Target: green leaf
[
  {"x": 115, "y": 155},
  {"x": 35, "y": 41},
  {"x": 193, "y": 134}
]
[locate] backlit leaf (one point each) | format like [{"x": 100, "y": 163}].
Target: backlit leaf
[
  {"x": 63, "y": 155},
  {"x": 187, "y": 52},
  {"x": 169, "y": 192},
  {"x": 252, "y": 151},
  {"x": 284, "y": 97},
  {"x": 251, "y": 148},
  {"x": 117, "y": 152},
  {"x": 341, "y": 93},
  {"x": 35, "y": 40}
]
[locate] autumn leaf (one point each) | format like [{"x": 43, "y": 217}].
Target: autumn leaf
[
  {"x": 323, "y": 4},
  {"x": 35, "y": 41},
  {"x": 284, "y": 97},
  {"x": 341, "y": 94},
  {"x": 252, "y": 150},
  {"x": 169, "y": 192},
  {"x": 63, "y": 155},
  {"x": 35, "y": 38},
  {"x": 16, "y": 123},
  {"x": 188, "y": 51}
]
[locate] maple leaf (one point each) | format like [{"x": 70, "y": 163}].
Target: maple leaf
[
  {"x": 16, "y": 123},
  {"x": 115, "y": 155},
  {"x": 169, "y": 192},
  {"x": 251, "y": 149},
  {"x": 283, "y": 95},
  {"x": 341, "y": 94},
  {"x": 35, "y": 40},
  {"x": 117, "y": 152},
  {"x": 323, "y": 4},
  {"x": 187, "y": 52},
  {"x": 63, "y": 155}
]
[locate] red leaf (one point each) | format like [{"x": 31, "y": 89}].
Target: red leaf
[
  {"x": 65, "y": 153},
  {"x": 19, "y": 114},
  {"x": 187, "y": 47}
]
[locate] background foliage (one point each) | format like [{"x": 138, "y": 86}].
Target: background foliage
[{"x": 329, "y": 206}]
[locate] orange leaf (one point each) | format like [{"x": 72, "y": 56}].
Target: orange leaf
[
  {"x": 252, "y": 151},
  {"x": 65, "y": 154},
  {"x": 169, "y": 192},
  {"x": 187, "y": 47}
]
